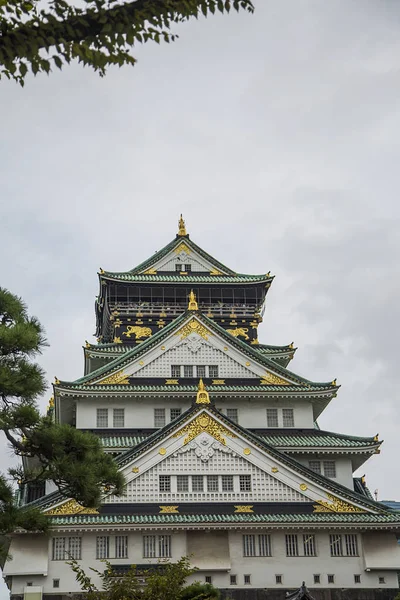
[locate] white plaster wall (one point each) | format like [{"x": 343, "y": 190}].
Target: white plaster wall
[
  {"x": 381, "y": 550},
  {"x": 252, "y": 413},
  {"x": 344, "y": 471},
  {"x": 262, "y": 569}
]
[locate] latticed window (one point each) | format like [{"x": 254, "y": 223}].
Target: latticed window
[
  {"x": 213, "y": 371},
  {"x": 121, "y": 546},
  {"x": 232, "y": 414},
  {"x": 292, "y": 546},
  {"x": 272, "y": 417},
  {"x": 315, "y": 465},
  {"x": 245, "y": 483},
  {"x": 264, "y": 545},
  {"x": 197, "y": 483},
  {"x": 351, "y": 544},
  {"x": 159, "y": 417},
  {"x": 75, "y": 547},
  {"x": 188, "y": 370},
  {"x": 165, "y": 483},
  {"x": 212, "y": 483},
  {"x": 331, "y": 579},
  {"x": 175, "y": 371},
  {"x": 201, "y": 370},
  {"x": 182, "y": 483},
  {"x": 174, "y": 413},
  {"x": 227, "y": 483},
  {"x": 247, "y": 579},
  {"x": 178, "y": 267},
  {"x": 288, "y": 417},
  {"x": 309, "y": 545},
  {"x": 249, "y": 545},
  {"x": 335, "y": 543},
  {"x": 149, "y": 546},
  {"x": 119, "y": 417},
  {"x": 59, "y": 545},
  {"x": 102, "y": 417},
  {"x": 164, "y": 546},
  {"x": 188, "y": 267},
  {"x": 102, "y": 546},
  {"x": 330, "y": 469}
]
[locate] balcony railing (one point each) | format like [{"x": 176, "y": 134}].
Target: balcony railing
[{"x": 168, "y": 308}]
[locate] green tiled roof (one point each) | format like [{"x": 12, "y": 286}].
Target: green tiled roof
[
  {"x": 192, "y": 389},
  {"x": 122, "y": 348},
  {"x": 194, "y": 278},
  {"x": 317, "y": 518},
  {"x": 266, "y": 349}
]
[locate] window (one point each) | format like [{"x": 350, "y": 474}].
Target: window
[
  {"x": 212, "y": 483},
  {"x": 149, "y": 546},
  {"x": 59, "y": 548},
  {"x": 213, "y": 371},
  {"x": 56, "y": 583},
  {"x": 315, "y": 465},
  {"x": 119, "y": 417},
  {"x": 351, "y": 544},
  {"x": 182, "y": 483},
  {"x": 75, "y": 547},
  {"x": 188, "y": 268},
  {"x": 278, "y": 578},
  {"x": 288, "y": 417},
  {"x": 357, "y": 578},
  {"x": 164, "y": 483},
  {"x": 309, "y": 545},
  {"x": 159, "y": 417},
  {"x": 245, "y": 483},
  {"x": 175, "y": 370},
  {"x": 121, "y": 546},
  {"x": 208, "y": 579},
  {"x": 330, "y": 469},
  {"x": 197, "y": 483},
  {"x": 102, "y": 546},
  {"x": 259, "y": 545},
  {"x": 201, "y": 370},
  {"x": 233, "y": 580},
  {"x": 292, "y": 546},
  {"x": 381, "y": 580},
  {"x": 188, "y": 370},
  {"x": 247, "y": 579},
  {"x": 272, "y": 417},
  {"x": 232, "y": 414},
  {"x": 164, "y": 546},
  {"x": 335, "y": 542},
  {"x": 227, "y": 483},
  {"x": 331, "y": 579},
  {"x": 102, "y": 417},
  {"x": 65, "y": 548},
  {"x": 174, "y": 413},
  {"x": 178, "y": 267},
  {"x": 29, "y": 583},
  {"x": 317, "y": 578}
]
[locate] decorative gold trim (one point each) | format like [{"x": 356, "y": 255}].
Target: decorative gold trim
[
  {"x": 204, "y": 423},
  {"x": 56, "y": 381},
  {"x": 171, "y": 382},
  {"x": 117, "y": 323},
  {"x": 303, "y": 487},
  {"x": 182, "y": 247},
  {"x": 215, "y": 272},
  {"x": 118, "y": 378},
  {"x": 193, "y": 326},
  {"x": 71, "y": 507},
  {"x": 182, "y": 272},
  {"x": 202, "y": 394},
  {"x": 336, "y": 505},
  {"x": 150, "y": 271},
  {"x": 135, "y": 469},
  {"x": 87, "y": 345},
  {"x": 334, "y": 383},
  {"x": 239, "y": 332},
  {"x": 182, "y": 227},
  {"x": 247, "y": 451},
  {"x": 244, "y": 508},
  {"x": 162, "y": 347},
  {"x": 162, "y": 451},
  {"x": 117, "y": 340},
  {"x": 254, "y": 342},
  {"x": 274, "y": 470},
  {"x": 247, "y": 364},
  {"x": 272, "y": 379},
  {"x": 226, "y": 348},
  {"x": 169, "y": 510},
  {"x": 141, "y": 362},
  {"x": 218, "y": 382},
  {"x": 138, "y": 332},
  {"x": 161, "y": 324},
  {"x": 192, "y": 301}
]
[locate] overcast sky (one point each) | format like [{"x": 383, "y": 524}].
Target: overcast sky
[{"x": 277, "y": 136}]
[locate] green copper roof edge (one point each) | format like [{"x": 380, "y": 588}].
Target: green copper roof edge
[
  {"x": 200, "y": 277},
  {"x": 121, "y": 348},
  {"x": 120, "y": 361}
]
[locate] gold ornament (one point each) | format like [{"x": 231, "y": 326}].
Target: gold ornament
[
  {"x": 87, "y": 345},
  {"x": 192, "y": 301},
  {"x": 171, "y": 382},
  {"x": 139, "y": 332},
  {"x": 150, "y": 271},
  {"x": 162, "y": 347},
  {"x": 182, "y": 247},
  {"x": 118, "y": 378},
  {"x": 51, "y": 402},
  {"x": 244, "y": 508},
  {"x": 202, "y": 394},
  {"x": 141, "y": 363},
  {"x": 215, "y": 272},
  {"x": 193, "y": 326},
  {"x": 218, "y": 382},
  {"x": 254, "y": 342},
  {"x": 247, "y": 451},
  {"x": 247, "y": 364},
  {"x": 239, "y": 332},
  {"x": 204, "y": 423},
  {"x": 71, "y": 508},
  {"x": 117, "y": 340},
  {"x": 162, "y": 451},
  {"x": 334, "y": 383},
  {"x": 272, "y": 379},
  {"x": 56, "y": 381},
  {"x": 135, "y": 469},
  {"x": 169, "y": 510},
  {"x": 274, "y": 470},
  {"x": 303, "y": 487},
  {"x": 182, "y": 227},
  {"x": 336, "y": 505}
]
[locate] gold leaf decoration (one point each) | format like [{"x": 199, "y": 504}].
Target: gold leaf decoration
[
  {"x": 135, "y": 469},
  {"x": 239, "y": 332},
  {"x": 272, "y": 379},
  {"x": 303, "y": 487},
  {"x": 72, "y": 507},
  {"x": 182, "y": 247},
  {"x": 336, "y": 505},
  {"x": 247, "y": 451},
  {"x": 193, "y": 326},
  {"x": 244, "y": 508},
  {"x": 274, "y": 470},
  {"x": 204, "y": 423},
  {"x": 215, "y": 272},
  {"x": 171, "y": 382},
  {"x": 218, "y": 381},
  {"x": 169, "y": 510},
  {"x": 118, "y": 378},
  {"x": 162, "y": 451},
  {"x": 150, "y": 271},
  {"x": 138, "y": 332}
]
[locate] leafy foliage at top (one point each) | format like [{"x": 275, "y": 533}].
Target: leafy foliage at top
[
  {"x": 74, "y": 460},
  {"x": 98, "y": 35}
]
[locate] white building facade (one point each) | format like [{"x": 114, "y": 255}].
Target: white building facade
[{"x": 219, "y": 444}]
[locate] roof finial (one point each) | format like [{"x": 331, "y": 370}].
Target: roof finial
[
  {"x": 192, "y": 301},
  {"x": 202, "y": 394},
  {"x": 182, "y": 227}
]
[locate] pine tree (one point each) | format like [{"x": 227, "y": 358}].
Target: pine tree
[{"x": 74, "y": 460}]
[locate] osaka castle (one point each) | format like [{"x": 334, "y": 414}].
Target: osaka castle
[{"x": 219, "y": 443}]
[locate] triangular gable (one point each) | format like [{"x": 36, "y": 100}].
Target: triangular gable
[{"x": 186, "y": 257}]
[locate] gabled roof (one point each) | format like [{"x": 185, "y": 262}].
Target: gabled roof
[{"x": 122, "y": 361}]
